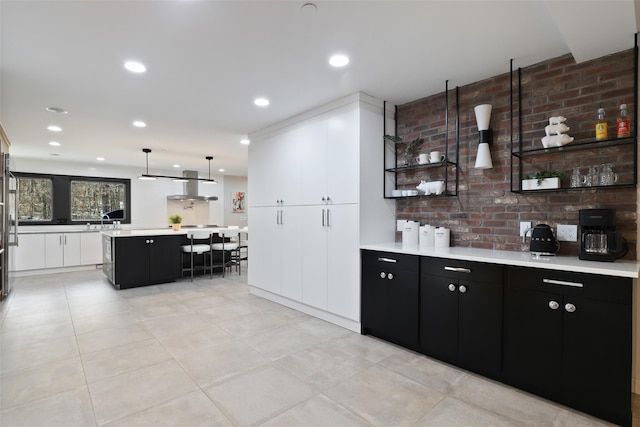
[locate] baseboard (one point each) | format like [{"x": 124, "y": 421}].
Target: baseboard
[{"x": 307, "y": 309}]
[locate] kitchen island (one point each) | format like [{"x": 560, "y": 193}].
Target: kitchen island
[{"x": 133, "y": 258}]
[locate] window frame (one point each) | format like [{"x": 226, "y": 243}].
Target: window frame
[{"x": 61, "y": 197}]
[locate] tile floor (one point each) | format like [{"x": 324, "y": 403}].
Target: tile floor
[{"x": 76, "y": 352}]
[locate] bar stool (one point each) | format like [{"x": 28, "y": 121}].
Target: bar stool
[
  {"x": 223, "y": 247},
  {"x": 195, "y": 248}
]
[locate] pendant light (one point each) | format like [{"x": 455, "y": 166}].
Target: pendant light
[
  {"x": 146, "y": 175},
  {"x": 209, "y": 181}
]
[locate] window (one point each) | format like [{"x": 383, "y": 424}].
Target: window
[
  {"x": 63, "y": 199},
  {"x": 95, "y": 199},
  {"x": 35, "y": 200}
]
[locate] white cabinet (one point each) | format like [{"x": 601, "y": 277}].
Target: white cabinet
[
  {"x": 310, "y": 258},
  {"x": 53, "y": 250},
  {"x": 275, "y": 250},
  {"x": 278, "y": 161},
  {"x": 330, "y": 166},
  {"x": 62, "y": 249},
  {"x": 29, "y": 254},
  {"x": 330, "y": 259},
  {"x": 90, "y": 248}
]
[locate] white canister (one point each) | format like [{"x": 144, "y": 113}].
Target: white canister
[
  {"x": 442, "y": 237},
  {"x": 410, "y": 233},
  {"x": 427, "y": 237}
]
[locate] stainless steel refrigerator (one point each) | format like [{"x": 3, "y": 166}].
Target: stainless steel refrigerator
[{"x": 9, "y": 224}]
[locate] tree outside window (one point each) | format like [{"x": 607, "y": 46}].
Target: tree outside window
[{"x": 35, "y": 199}]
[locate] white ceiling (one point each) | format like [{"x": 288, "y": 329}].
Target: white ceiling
[{"x": 207, "y": 60}]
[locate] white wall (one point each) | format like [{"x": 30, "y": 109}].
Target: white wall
[
  {"x": 149, "y": 207},
  {"x": 233, "y": 184}
]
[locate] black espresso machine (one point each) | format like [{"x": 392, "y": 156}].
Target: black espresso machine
[{"x": 599, "y": 240}]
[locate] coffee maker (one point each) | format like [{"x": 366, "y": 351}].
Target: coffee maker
[{"x": 599, "y": 240}]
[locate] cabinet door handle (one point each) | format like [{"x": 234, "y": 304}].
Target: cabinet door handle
[
  {"x": 151, "y": 240},
  {"x": 390, "y": 276},
  {"x": 60, "y": 239},
  {"x": 570, "y": 307},
  {"x": 387, "y": 260},
  {"x": 323, "y": 223},
  {"x": 382, "y": 275},
  {"x": 65, "y": 240},
  {"x": 328, "y": 217},
  {"x": 462, "y": 289},
  {"x": 553, "y": 305},
  {"x": 563, "y": 283},
  {"x": 452, "y": 287},
  {"x": 458, "y": 269}
]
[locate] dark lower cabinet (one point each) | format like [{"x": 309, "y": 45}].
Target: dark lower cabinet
[
  {"x": 561, "y": 335},
  {"x": 568, "y": 338},
  {"x": 141, "y": 261},
  {"x": 389, "y": 306},
  {"x": 461, "y": 314}
]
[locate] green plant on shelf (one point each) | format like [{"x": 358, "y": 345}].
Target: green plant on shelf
[
  {"x": 542, "y": 175},
  {"x": 406, "y": 151}
]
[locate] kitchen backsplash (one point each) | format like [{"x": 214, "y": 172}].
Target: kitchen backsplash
[{"x": 486, "y": 214}]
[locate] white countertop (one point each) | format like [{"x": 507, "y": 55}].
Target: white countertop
[
  {"x": 169, "y": 231},
  {"x": 620, "y": 268}
]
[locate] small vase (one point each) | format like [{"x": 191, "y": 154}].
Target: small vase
[{"x": 176, "y": 227}]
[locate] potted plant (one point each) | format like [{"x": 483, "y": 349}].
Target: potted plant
[
  {"x": 176, "y": 221},
  {"x": 405, "y": 152},
  {"x": 542, "y": 180}
]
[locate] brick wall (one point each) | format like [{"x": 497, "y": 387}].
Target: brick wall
[{"x": 486, "y": 213}]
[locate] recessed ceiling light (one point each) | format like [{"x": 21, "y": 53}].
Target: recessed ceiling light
[
  {"x": 100, "y": 159},
  {"x": 245, "y": 142},
  {"x": 54, "y": 143},
  {"x": 309, "y": 8},
  {"x": 261, "y": 102},
  {"x": 176, "y": 166},
  {"x": 56, "y": 110},
  {"x": 139, "y": 124},
  {"x": 54, "y": 128},
  {"x": 54, "y": 154},
  {"x": 339, "y": 60},
  {"x": 220, "y": 170},
  {"x": 135, "y": 66}
]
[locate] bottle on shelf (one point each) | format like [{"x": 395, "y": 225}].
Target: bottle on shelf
[
  {"x": 623, "y": 128},
  {"x": 601, "y": 126}
]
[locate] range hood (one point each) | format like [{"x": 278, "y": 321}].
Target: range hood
[{"x": 191, "y": 189}]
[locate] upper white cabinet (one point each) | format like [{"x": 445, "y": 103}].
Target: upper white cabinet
[
  {"x": 330, "y": 165},
  {"x": 277, "y": 159},
  {"x": 322, "y": 170}
]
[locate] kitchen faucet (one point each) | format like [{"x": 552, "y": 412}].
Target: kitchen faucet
[{"x": 102, "y": 220}]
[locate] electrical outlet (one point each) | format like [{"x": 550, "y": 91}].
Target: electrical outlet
[
  {"x": 524, "y": 226},
  {"x": 567, "y": 233}
]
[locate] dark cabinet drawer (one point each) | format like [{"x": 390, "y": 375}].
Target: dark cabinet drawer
[
  {"x": 600, "y": 287},
  {"x": 457, "y": 269}
]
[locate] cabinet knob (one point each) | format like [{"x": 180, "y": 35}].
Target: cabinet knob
[
  {"x": 553, "y": 305},
  {"x": 382, "y": 275},
  {"x": 570, "y": 307},
  {"x": 323, "y": 199},
  {"x": 390, "y": 276},
  {"x": 452, "y": 287},
  {"x": 462, "y": 289}
]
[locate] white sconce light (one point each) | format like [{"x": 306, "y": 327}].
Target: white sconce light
[{"x": 483, "y": 117}]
